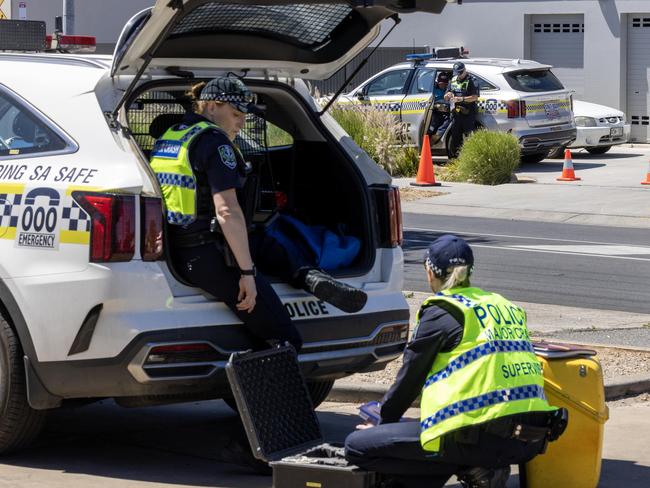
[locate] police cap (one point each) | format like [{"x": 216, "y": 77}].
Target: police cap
[
  {"x": 446, "y": 252},
  {"x": 459, "y": 68},
  {"x": 232, "y": 90}
]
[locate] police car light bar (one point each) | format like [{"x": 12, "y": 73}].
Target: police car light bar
[
  {"x": 419, "y": 57},
  {"x": 22, "y": 35},
  {"x": 72, "y": 44}
]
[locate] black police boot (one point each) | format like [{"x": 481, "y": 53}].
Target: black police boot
[
  {"x": 342, "y": 296},
  {"x": 484, "y": 477}
]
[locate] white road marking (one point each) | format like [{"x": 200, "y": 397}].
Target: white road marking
[
  {"x": 606, "y": 250},
  {"x": 567, "y": 250}
]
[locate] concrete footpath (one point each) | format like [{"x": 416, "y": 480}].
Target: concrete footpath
[{"x": 609, "y": 193}]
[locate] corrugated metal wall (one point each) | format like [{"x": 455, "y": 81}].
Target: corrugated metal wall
[{"x": 382, "y": 59}]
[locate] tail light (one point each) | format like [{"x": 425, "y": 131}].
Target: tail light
[
  {"x": 112, "y": 231},
  {"x": 71, "y": 44},
  {"x": 151, "y": 228},
  {"x": 522, "y": 109},
  {"x": 516, "y": 108},
  {"x": 389, "y": 215},
  {"x": 571, "y": 101},
  {"x": 395, "y": 216}
]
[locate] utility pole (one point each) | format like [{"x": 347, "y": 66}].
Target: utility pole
[{"x": 68, "y": 17}]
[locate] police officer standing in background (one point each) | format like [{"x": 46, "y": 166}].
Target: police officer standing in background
[
  {"x": 463, "y": 93},
  {"x": 483, "y": 405}
]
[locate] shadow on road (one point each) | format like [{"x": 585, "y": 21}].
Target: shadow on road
[
  {"x": 555, "y": 167},
  {"x": 609, "y": 155},
  {"x": 172, "y": 445},
  {"x": 617, "y": 473}
]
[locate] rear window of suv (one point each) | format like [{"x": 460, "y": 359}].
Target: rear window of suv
[{"x": 533, "y": 81}]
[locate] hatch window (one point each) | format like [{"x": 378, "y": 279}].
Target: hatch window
[{"x": 299, "y": 23}]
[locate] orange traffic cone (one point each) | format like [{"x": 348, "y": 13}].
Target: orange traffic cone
[
  {"x": 567, "y": 169},
  {"x": 425, "y": 176},
  {"x": 647, "y": 177}
]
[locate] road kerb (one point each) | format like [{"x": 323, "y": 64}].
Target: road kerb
[{"x": 357, "y": 392}]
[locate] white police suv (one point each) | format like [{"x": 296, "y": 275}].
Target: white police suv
[
  {"x": 518, "y": 96},
  {"x": 90, "y": 305}
]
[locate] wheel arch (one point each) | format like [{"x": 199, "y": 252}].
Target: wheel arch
[{"x": 11, "y": 312}]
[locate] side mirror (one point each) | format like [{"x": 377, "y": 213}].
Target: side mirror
[{"x": 360, "y": 95}]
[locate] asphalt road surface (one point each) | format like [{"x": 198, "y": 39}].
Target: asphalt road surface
[{"x": 605, "y": 268}]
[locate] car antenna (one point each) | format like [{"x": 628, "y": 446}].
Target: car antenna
[{"x": 395, "y": 19}]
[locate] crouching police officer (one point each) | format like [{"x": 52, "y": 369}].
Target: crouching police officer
[
  {"x": 202, "y": 176},
  {"x": 464, "y": 94},
  {"x": 483, "y": 406}
]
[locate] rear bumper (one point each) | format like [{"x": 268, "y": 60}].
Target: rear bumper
[
  {"x": 354, "y": 343},
  {"x": 600, "y": 136},
  {"x": 545, "y": 141}
]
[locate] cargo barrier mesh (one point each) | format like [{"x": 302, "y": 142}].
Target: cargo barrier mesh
[
  {"x": 277, "y": 400},
  {"x": 146, "y": 108},
  {"x": 301, "y": 23}
]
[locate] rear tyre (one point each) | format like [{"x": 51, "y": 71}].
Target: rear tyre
[
  {"x": 319, "y": 390},
  {"x": 533, "y": 158},
  {"x": 557, "y": 153},
  {"x": 598, "y": 149},
  {"x": 19, "y": 423}
]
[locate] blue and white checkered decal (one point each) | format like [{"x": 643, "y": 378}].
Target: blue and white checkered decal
[
  {"x": 74, "y": 218},
  {"x": 178, "y": 218},
  {"x": 9, "y": 209},
  {"x": 166, "y": 149},
  {"x": 477, "y": 353},
  {"x": 482, "y": 401},
  {"x": 184, "y": 181}
]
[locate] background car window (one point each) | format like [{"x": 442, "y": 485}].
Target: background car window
[
  {"x": 422, "y": 82},
  {"x": 391, "y": 83},
  {"x": 483, "y": 85},
  {"x": 533, "y": 81},
  {"x": 21, "y": 132}
]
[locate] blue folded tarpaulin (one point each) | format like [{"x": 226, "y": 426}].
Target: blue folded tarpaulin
[{"x": 314, "y": 244}]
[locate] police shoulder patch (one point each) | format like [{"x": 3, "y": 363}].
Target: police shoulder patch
[{"x": 228, "y": 156}]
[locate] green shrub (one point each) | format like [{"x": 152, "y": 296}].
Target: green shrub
[
  {"x": 380, "y": 135},
  {"x": 486, "y": 158}
]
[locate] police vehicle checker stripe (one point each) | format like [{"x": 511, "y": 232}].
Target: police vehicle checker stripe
[
  {"x": 179, "y": 218},
  {"x": 472, "y": 355},
  {"x": 482, "y": 401}
]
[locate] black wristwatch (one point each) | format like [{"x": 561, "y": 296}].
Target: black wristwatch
[{"x": 248, "y": 272}]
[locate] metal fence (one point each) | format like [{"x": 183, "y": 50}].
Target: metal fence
[{"x": 381, "y": 59}]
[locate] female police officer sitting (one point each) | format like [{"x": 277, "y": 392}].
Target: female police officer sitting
[{"x": 202, "y": 175}]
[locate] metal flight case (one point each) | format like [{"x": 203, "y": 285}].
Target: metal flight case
[{"x": 281, "y": 425}]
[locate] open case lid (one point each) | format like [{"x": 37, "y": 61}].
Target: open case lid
[{"x": 273, "y": 402}]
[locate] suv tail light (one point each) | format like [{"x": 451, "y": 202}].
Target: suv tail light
[
  {"x": 151, "y": 228},
  {"x": 516, "y": 108},
  {"x": 112, "y": 231},
  {"x": 389, "y": 215}
]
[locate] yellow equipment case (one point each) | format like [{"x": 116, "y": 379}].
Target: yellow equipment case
[{"x": 573, "y": 379}]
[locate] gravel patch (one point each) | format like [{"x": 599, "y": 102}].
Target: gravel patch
[
  {"x": 642, "y": 400},
  {"x": 408, "y": 194}
]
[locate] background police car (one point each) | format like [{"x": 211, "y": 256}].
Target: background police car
[
  {"x": 518, "y": 96},
  {"x": 89, "y": 305}
]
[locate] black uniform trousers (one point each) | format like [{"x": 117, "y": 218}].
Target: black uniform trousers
[
  {"x": 461, "y": 125},
  {"x": 204, "y": 267},
  {"x": 395, "y": 450}
]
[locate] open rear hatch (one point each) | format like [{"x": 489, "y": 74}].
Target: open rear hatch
[{"x": 302, "y": 39}]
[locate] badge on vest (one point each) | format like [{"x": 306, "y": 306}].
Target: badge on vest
[{"x": 228, "y": 156}]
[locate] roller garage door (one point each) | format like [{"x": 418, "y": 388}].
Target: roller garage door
[
  {"x": 638, "y": 78},
  {"x": 558, "y": 40}
]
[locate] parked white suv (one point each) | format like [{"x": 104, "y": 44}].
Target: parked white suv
[
  {"x": 90, "y": 305},
  {"x": 518, "y": 96}
]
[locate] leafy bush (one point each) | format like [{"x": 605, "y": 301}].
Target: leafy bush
[
  {"x": 380, "y": 135},
  {"x": 486, "y": 158}
]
